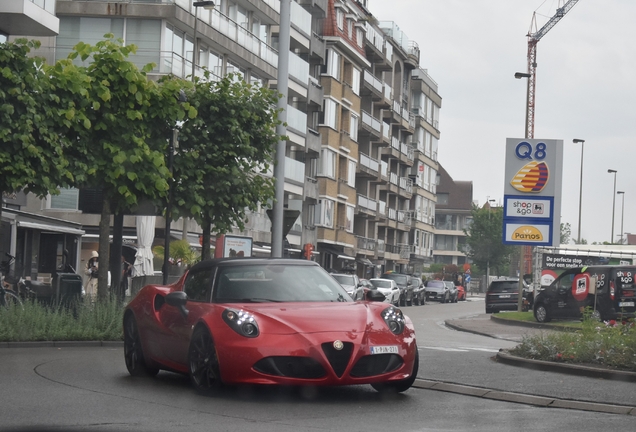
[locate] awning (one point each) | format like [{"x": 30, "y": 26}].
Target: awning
[
  {"x": 346, "y": 257},
  {"x": 365, "y": 261},
  {"x": 51, "y": 228}
]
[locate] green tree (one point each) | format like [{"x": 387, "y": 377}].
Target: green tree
[
  {"x": 224, "y": 154},
  {"x": 484, "y": 239},
  {"x": 118, "y": 147},
  {"x": 31, "y": 148},
  {"x": 566, "y": 233}
]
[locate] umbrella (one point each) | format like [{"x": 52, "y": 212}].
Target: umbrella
[{"x": 145, "y": 236}]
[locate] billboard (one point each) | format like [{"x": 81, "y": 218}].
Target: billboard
[{"x": 532, "y": 192}]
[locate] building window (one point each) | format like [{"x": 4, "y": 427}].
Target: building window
[
  {"x": 442, "y": 199},
  {"x": 330, "y": 113},
  {"x": 340, "y": 19},
  {"x": 353, "y": 127},
  {"x": 351, "y": 174},
  {"x": 349, "y": 218},
  {"x": 350, "y": 29},
  {"x": 355, "y": 81},
  {"x": 360, "y": 37},
  {"x": 333, "y": 64},
  {"x": 328, "y": 163},
  {"x": 324, "y": 213},
  {"x": 67, "y": 199}
]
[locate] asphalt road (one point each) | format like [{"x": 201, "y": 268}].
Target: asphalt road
[{"x": 89, "y": 389}]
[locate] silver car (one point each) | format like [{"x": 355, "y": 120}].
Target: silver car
[{"x": 389, "y": 288}]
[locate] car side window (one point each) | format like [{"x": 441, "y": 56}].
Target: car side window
[{"x": 198, "y": 285}]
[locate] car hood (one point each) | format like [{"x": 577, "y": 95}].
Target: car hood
[
  {"x": 348, "y": 288},
  {"x": 293, "y": 318},
  {"x": 436, "y": 289}
]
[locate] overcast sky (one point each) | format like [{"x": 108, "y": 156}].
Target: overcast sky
[{"x": 585, "y": 88}]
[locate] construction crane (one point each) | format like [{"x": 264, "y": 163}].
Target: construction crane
[{"x": 533, "y": 38}]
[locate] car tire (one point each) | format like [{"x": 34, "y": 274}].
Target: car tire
[
  {"x": 541, "y": 313},
  {"x": 203, "y": 362},
  {"x": 133, "y": 351},
  {"x": 596, "y": 316},
  {"x": 416, "y": 301},
  {"x": 400, "y": 386}
]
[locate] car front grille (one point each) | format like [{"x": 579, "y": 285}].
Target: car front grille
[
  {"x": 377, "y": 364},
  {"x": 290, "y": 367},
  {"x": 338, "y": 359}
]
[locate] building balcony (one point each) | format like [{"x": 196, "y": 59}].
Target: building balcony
[
  {"x": 29, "y": 18},
  {"x": 313, "y": 142},
  {"x": 297, "y": 120},
  {"x": 367, "y": 166},
  {"x": 372, "y": 86},
  {"x": 294, "y": 171},
  {"x": 311, "y": 188},
  {"x": 367, "y": 205},
  {"x": 318, "y": 8},
  {"x": 366, "y": 244},
  {"x": 300, "y": 19},
  {"x": 298, "y": 69},
  {"x": 315, "y": 92},
  {"x": 371, "y": 125}
]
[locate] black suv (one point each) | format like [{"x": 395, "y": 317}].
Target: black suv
[
  {"x": 612, "y": 297},
  {"x": 503, "y": 294},
  {"x": 405, "y": 283}
]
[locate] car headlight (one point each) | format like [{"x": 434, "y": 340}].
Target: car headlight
[
  {"x": 394, "y": 319},
  {"x": 241, "y": 322}
]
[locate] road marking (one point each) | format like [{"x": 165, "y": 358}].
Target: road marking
[
  {"x": 443, "y": 349},
  {"x": 460, "y": 349}
]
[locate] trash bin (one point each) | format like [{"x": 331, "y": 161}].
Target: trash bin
[{"x": 69, "y": 288}]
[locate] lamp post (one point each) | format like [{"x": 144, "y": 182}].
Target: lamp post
[
  {"x": 622, "y": 211},
  {"x": 195, "y": 47},
  {"x": 529, "y": 133},
  {"x": 575, "y": 140},
  {"x": 611, "y": 171},
  {"x": 488, "y": 260}
]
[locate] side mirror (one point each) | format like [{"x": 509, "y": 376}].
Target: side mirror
[
  {"x": 178, "y": 299},
  {"x": 375, "y": 295}
]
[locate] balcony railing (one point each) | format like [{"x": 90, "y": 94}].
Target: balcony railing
[
  {"x": 296, "y": 119},
  {"x": 373, "y": 81},
  {"x": 367, "y": 203},
  {"x": 300, "y": 18},
  {"x": 386, "y": 130},
  {"x": 384, "y": 169},
  {"x": 382, "y": 208},
  {"x": 371, "y": 121},
  {"x": 392, "y": 214},
  {"x": 366, "y": 243},
  {"x": 387, "y": 91},
  {"x": 369, "y": 162},
  {"x": 294, "y": 170},
  {"x": 405, "y": 217},
  {"x": 381, "y": 246},
  {"x": 298, "y": 68},
  {"x": 393, "y": 178},
  {"x": 395, "y": 143},
  {"x": 406, "y": 184}
]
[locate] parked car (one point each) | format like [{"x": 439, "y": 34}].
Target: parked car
[
  {"x": 437, "y": 290},
  {"x": 405, "y": 284},
  {"x": 503, "y": 294},
  {"x": 366, "y": 286},
  {"x": 613, "y": 296},
  {"x": 267, "y": 321},
  {"x": 351, "y": 283},
  {"x": 452, "y": 290},
  {"x": 461, "y": 293},
  {"x": 419, "y": 293},
  {"x": 389, "y": 288}
]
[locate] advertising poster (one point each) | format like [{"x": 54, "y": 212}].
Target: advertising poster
[{"x": 237, "y": 247}]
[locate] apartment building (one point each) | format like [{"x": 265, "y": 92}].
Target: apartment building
[
  {"x": 452, "y": 216},
  {"x": 363, "y": 119}
]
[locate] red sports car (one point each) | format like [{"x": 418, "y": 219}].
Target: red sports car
[{"x": 268, "y": 321}]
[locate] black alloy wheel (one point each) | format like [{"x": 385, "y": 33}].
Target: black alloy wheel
[
  {"x": 133, "y": 352},
  {"x": 203, "y": 363},
  {"x": 400, "y": 386}
]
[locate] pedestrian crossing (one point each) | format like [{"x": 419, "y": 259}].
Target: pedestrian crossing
[{"x": 459, "y": 349}]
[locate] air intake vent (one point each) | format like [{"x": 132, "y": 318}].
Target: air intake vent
[{"x": 338, "y": 359}]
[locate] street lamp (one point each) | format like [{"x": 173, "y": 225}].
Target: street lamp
[
  {"x": 488, "y": 260},
  {"x": 576, "y": 140},
  {"x": 611, "y": 171},
  {"x": 195, "y": 47},
  {"x": 622, "y": 211}
]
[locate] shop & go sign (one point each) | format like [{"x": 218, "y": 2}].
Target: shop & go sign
[{"x": 532, "y": 192}]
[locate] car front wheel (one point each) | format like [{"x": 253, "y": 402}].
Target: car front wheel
[
  {"x": 541, "y": 314},
  {"x": 133, "y": 352},
  {"x": 203, "y": 363},
  {"x": 400, "y": 386}
]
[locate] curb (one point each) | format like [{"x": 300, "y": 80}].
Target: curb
[
  {"x": 61, "y": 344},
  {"x": 539, "y": 401},
  {"x": 529, "y": 324},
  {"x": 573, "y": 369},
  {"x": 477, "y": 332}
]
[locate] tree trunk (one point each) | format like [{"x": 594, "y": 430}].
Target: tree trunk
[
  {"x": 205, "y": 248},
  {"x": 104, "y": 246},
  {"x": 1, "y": 205}
]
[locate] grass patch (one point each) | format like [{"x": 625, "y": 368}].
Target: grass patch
[
  {"x": 84, "y": 321},
  {"x": 610, "y": 344}
]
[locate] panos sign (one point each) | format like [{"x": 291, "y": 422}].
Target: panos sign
[{"x": 532, "y": 192}]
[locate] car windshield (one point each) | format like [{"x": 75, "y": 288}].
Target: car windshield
[
  {"x": 378, "y": 283},
  {"x": 501, "y": 286},
  {"x": 344, "y": 279},
  {"x": 435, "y": 284},
  {"x": 398, "y": 278},
  {"x": 276, "y": 283}
]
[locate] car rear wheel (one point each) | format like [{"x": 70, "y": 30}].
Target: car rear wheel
[
  {"x": 541, "y": 314},
  {"x": 203, "y": 363},
  {"x": 400, "y": 386},
  {"x": 133, "y": 352}
]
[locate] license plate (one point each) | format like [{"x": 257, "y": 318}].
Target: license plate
[
  {"x": 504, "y": 295},
  {"x": 626, "y": 304},
  {"x": 389, "y": 349}
]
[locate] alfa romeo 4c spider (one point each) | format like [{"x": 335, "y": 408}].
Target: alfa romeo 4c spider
[{"x": 268, "y": 321}]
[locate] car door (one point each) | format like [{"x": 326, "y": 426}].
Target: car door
[
  {"x": 177, "y": 328},
  {"x": 563, "y": 304}
]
